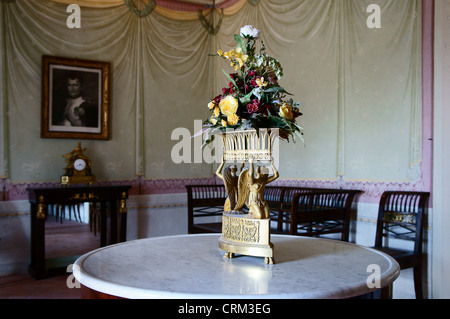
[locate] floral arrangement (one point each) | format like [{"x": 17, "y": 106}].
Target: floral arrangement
[{"x": 253, "y": 98}]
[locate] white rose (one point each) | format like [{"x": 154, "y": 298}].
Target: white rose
[{"x": 250, "y": 31}]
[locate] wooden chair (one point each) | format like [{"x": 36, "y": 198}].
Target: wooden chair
[
  {"x": 205, "y": 203},
  {"x": 281, "y": 211},
  {"x": 272, "y": 195},
  {"x": 94, "y": 218},
  {"x": 401, "y": 216},
  {"x": 322, "y": 212},
  {"x": 60, "y": 211}
]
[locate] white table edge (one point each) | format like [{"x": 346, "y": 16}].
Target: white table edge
[{"x": 122, "y": 291}]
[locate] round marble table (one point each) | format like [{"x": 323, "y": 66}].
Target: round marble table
[{"x": 192, "y": 266}]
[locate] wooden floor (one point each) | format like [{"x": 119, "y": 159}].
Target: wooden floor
[
  {"x": 23, "y": 286},
  {"x": 67, "y": 239}
]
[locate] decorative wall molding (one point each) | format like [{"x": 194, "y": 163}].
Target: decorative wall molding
[{"x": 372, "y": 190}]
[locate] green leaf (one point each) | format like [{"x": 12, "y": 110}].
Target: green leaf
[
  {"x": 301, "y": 136},
  {"x": 298, "y": 126},
  {"x": 210, "y": 135},
  {"x": 229, "y": 78},
  {"x": 239, "y": 40},
  {"x": 246, "y": 98},
  {"x": 277, "y": 89}
]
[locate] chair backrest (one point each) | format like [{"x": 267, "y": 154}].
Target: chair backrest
[
  {"x": 290, "y": 191},
  {"x": 322, "y": 212},
  {"x": 206, "y": 192},
  {"x": 401, "y": 216},
  {"x": 272, "y": 195},
  {"x": 204, "y": 201}
]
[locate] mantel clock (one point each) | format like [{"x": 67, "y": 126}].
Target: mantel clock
[{"x": 78, "y": 168}]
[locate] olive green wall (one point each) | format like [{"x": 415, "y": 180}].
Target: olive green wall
[{"x": 360, "y": 87}]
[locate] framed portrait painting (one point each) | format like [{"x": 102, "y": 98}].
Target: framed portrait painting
[{"x": 75, "y": 98}]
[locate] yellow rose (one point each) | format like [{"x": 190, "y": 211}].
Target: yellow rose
[
  {"x": 229, "y": 105},
  {"x": 220, "y": 52},
  {"x": 211, "y": 105},
  {"x": 216, "y": 111},
  {"x": 213, "y": 120},
  {"x": 233, "y": 119},
  {"x": 224, "y": 123},
  {"x": 286, "y": 111}
]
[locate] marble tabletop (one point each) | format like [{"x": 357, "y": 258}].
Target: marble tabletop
[{"x": 192, "y": 266}]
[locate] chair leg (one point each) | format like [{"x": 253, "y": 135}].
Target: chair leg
[
  {"x": 386, "y": 292},
  {"x": 60, "y": 213},
  {"x": 418, "y": 282},
  {"x": 77, "y": 212},
  {"x": 280, "y": 221}
]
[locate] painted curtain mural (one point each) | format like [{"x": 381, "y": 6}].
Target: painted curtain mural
[{"x": 360, "y": 87}]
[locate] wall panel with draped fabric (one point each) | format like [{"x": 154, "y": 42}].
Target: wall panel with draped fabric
[{"x": 360, "y": 87}]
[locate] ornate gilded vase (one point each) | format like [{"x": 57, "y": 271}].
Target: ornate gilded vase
[{"x": 246, "y": 217}]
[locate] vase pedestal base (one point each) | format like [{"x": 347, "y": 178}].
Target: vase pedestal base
[{"x": 246, "y": 236}]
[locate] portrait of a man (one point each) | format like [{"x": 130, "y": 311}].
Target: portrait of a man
[
  {"x": 75, "y": 101},
  {"x": 75, "y": 98}
]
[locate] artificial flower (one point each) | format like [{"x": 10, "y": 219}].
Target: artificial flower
[
  {"x": 249, "y": 31},
  {"x": 229, "y": 105},
  {"x": 258, "y": 92},
  {"x": 253, "y": 97},
  {"x": 286, "y": 111},
  {"x": 216, "y": 112},
  {"x": 233, "y": 119},
  {"x": 260, "y": 82},
  {"x": 236, "y": 57},
  {"x": 211, "y": 105},
  {"x": 253, "y": 107}
]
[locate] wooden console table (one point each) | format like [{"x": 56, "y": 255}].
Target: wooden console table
[{"x": 113, "y": 218}]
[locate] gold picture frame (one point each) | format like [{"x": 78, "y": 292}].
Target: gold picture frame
[{"x": 75, "y": 98}]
